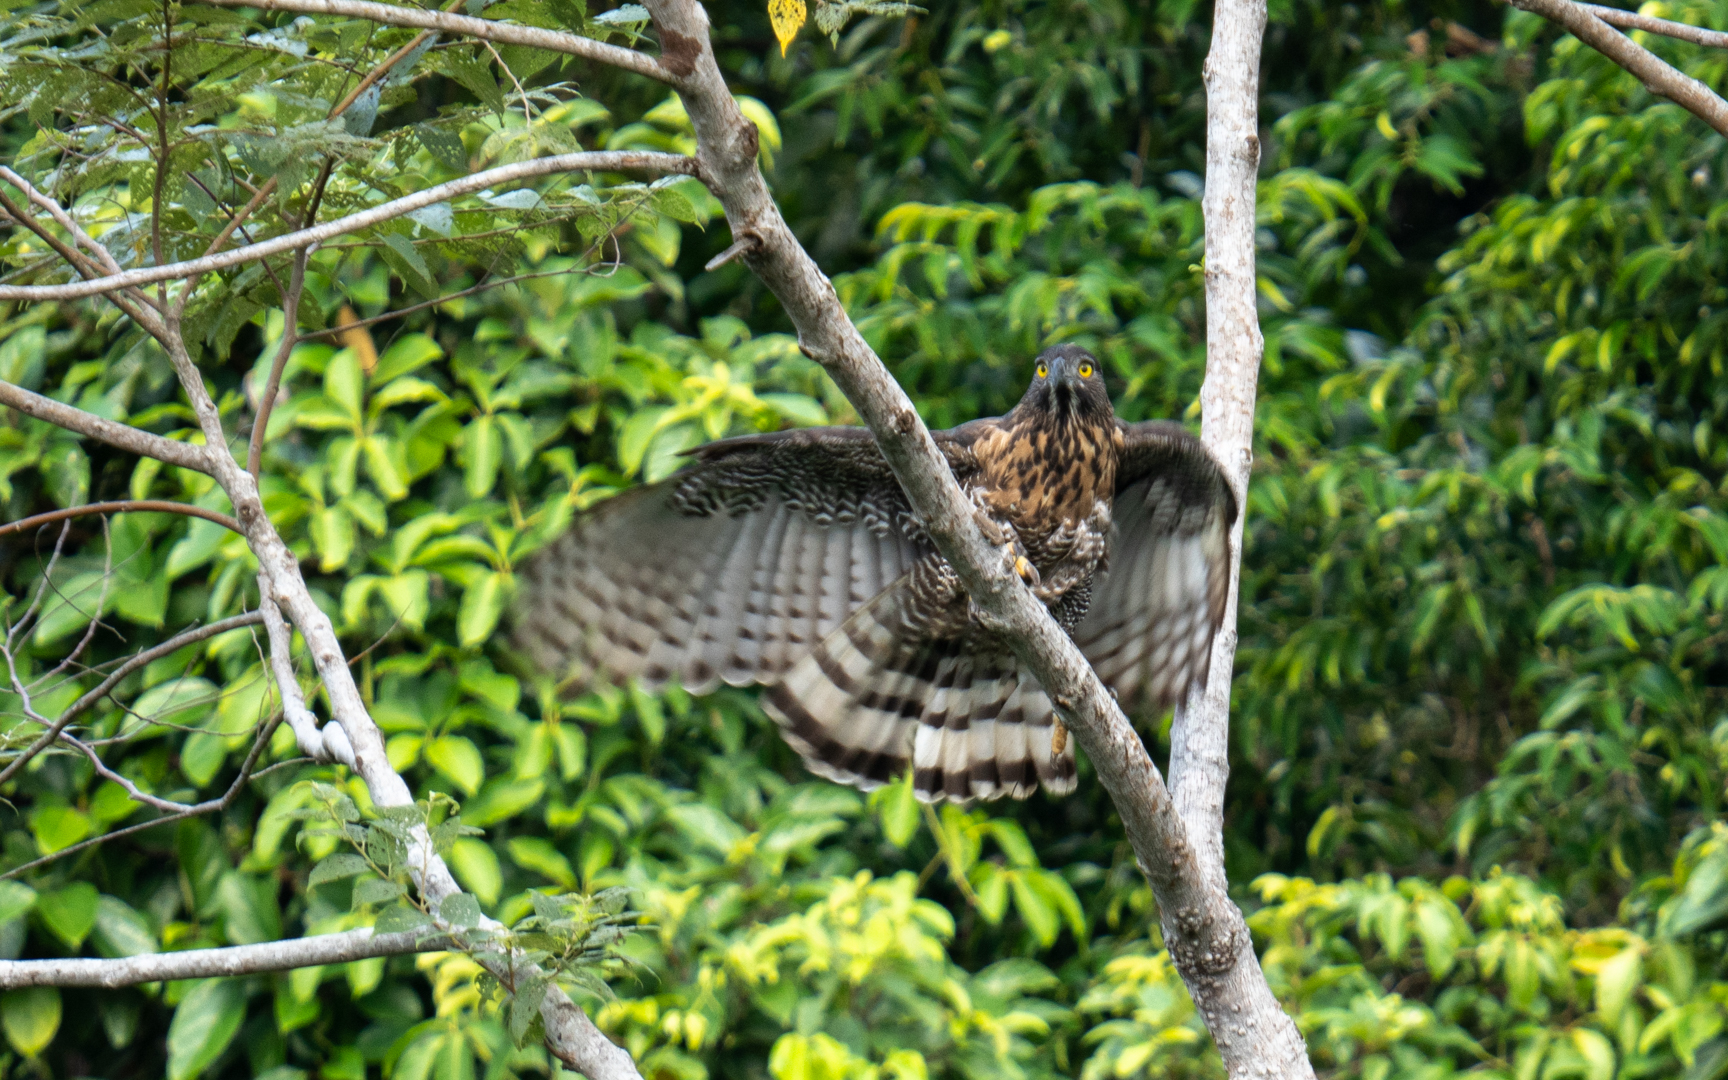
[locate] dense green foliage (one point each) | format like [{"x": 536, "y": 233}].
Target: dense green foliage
[{"x": 1480, "y": 730}]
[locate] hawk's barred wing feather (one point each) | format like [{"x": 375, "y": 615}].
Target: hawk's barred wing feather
[
  {"x": 872, "y": 700},
  {"x": 1155, "y": 610},
  {"x": 728, "y": 572}
]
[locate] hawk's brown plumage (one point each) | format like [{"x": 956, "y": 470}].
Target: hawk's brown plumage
[{"x": 793, "y": 560}]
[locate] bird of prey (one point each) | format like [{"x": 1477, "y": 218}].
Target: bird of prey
[{"x": 794, "y": 560}]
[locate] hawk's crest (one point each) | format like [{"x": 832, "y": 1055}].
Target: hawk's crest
[{"x": 793, "y": 560}]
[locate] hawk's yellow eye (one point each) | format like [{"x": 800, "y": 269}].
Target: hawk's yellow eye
[
  {"x": 1043, "y": 371},
  {"x": 1085, "y": 371}
]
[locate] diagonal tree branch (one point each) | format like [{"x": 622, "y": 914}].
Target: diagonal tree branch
[
  {"x": 1658, "y": 76},
  {"x": 484, "y": 29},
  {"x": 600, "y": 161},
  {"x": 215, "y": 963},
  {"x": 1635, "y": 20},
  {"x": 124, "y": 506},
  {"x": 123, "y": 436}
]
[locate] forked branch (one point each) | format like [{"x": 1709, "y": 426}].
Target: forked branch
[{"x": 1586, "y": 22}]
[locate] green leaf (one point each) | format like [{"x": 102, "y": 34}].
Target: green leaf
[
  {"x": 638, "y": 432},
  {"x": 121, "y": 931},
  {"x": 16, "y": 899},
  {"x": 344, "y": 385},
  {"x": 250, "y": 914},
  {"x": 990, "y": 886},
  {"x": 374, "y": 890},
  {"x": 1035, "y": 906},
  {"x": 205, "y": 1023},
  {"x": 202, "y": 756},
  {"x": 538, "y": 855},
  {"x": 400, "y": 919},
  {"x": 387, "y": 465},
  {"x": 898, "y": 806},
  {"x": 502, "y": 799},
  {"x": 333, "y": 534},
  {"x": 1703, "y": 905},
  {"x": 649, "y": 712},
  {"x": 31, "y": 1016},
  {"x": 410, "y": 266},
  {"x": 1615, "y": 981},
  {"x": 69, "y": 913},
  {"x": 483, "y": 604},
  {"x": 57, "y": 828},
  {"x": 461, "y": 910},
  {"x": 483, "y": 450},
  {"x": 405, "y": 596},
  {"x": 475, "y": 865},
  {"x": 335, "y": 867},
  {"x": 458, "y": 759}
]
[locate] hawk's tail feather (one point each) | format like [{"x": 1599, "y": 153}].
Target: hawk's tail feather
[{"x": 869, "y": 702}]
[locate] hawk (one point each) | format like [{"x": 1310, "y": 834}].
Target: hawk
[{"x": 794, "y": 561}]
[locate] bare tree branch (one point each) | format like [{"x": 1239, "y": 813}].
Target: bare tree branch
[
  {"x": 597, "y": 161},
  {"x": 1657, "y": 75},
  {"x": 1633, "y": 20},
  {"x": 216, "y": 963},
  {"x": 123, "y": 506},
  {"x": 107, "y": 685},
  {"x": 66, "y": 221},
  {"x": 329, "y": 744},
  {"x": 484, "y": 29},
  {"x": 207, "y": 807},
  {"x": 284, "y": 349},
  {"x": 124, "y": 436}
]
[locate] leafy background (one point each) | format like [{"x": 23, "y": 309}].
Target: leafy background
[{"x": 1479, "y": 734}]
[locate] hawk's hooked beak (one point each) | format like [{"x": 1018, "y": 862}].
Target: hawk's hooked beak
[{"x": 1065, "y": 385}]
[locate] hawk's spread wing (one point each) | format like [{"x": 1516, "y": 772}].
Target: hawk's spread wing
[
  {"x": 1149, "y": 630},
  {"x": 731, "y": 570}
]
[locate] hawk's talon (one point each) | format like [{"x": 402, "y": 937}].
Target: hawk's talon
[{"x": 1028, "y": 573}]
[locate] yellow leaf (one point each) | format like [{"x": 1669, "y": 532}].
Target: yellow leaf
[{"x": 787, "y": 16}]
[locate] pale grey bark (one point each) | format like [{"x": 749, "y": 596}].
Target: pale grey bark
[
  {"x": 483, "y": 29},
  {"x": 1254, "y": 1035},
  {"x": 123, "y": 436},
  {"x": 601, "y": 161},
  {"x": 1587, "y": 23},
  {"x": 1634, "y": 20},
  {"x": 214, "y": 963}
]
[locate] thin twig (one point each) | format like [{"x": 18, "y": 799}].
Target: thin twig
[
  {"x": 103, "y": 689},
  {"x": 66, "y": 220},
  {"x": 23, "y": 624},
  {"x": 132, "y": 790},
  {"x": 81, "y": 263},
  {"x": 123, "y": 506},
  {"x": 284, "y": 349},
  {"x": 71, "y": 658},
  {"x": 208, "y": 806},
  {"x": 1633, "y": 20}
]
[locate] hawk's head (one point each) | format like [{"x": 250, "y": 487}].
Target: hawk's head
[{"x": 1067, "y": 385}]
